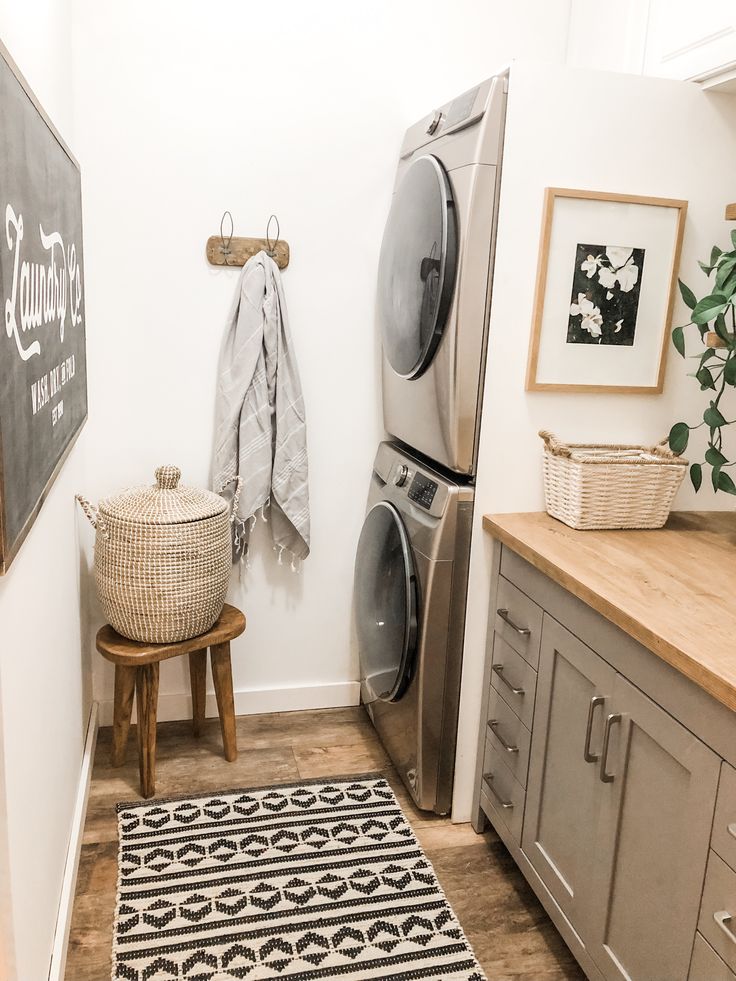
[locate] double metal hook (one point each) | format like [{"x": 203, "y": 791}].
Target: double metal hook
[{"x": 225, "y": 241}]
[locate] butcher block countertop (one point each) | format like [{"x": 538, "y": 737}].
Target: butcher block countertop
[{"x": 673, "y": 590}]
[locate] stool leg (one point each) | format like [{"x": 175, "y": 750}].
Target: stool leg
[
  {"x": 222, "y": 675},
  {"x": 123, "y": 706},
  {"x": 197, "y": 680},
  {"x": 146, "y": 684}
]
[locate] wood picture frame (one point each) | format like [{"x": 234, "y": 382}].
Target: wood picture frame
[
  {"x": 640, "y": 351},
  {"x": 43, "y": 367}
]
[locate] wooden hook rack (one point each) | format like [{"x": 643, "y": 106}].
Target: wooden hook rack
[{"x": 237, "y": 251}]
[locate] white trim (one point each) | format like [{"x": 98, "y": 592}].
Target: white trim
[
  {"x": 57, "y": 966},
  {"x": 173, "y": 706}
]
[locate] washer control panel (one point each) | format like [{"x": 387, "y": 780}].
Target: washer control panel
[{"x": 422, "y": 491}]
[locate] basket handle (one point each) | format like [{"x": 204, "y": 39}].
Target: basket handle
[
  {"x": 236, "y": 496},
  {"x": 93, "y": 514},
  {"x": 553, "y": 444}
]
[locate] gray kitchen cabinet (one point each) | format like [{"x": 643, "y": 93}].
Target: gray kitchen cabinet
[
  {"x": 659, "y": 786},
  {"x": 613, "y": 826},
  {"x": 563, "y": 791}
]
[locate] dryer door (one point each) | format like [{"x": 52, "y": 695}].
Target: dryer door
[
  {"x": 416, "y": 271},
  {"x": 385, "y": 596}
]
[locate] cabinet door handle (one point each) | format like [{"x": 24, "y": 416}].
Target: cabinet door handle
[
  {"x": 587, "y": 755},
  {"x": 612, "y": 720},
  {"x": 731, "y": 828},
  {"x": 498, "y": 668},
  {"x": 493, "y": 726},
  {"x": 506, "y": 804},
  {"x": 521, "y": 631},
  {"x": 723, "y": 918}
]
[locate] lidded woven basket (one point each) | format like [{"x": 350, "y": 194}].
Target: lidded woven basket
[
  {"x": 603, "y": 485},
  {"x": 163, "y": 557}
]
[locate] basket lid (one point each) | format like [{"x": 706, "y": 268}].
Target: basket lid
[{"x": 165, "y": 502}]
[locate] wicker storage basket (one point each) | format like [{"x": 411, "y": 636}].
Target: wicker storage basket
[
  {"x": 610, "y": 486},
  {"x": 163, "y": 558}
]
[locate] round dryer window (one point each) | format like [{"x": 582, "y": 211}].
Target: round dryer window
[
  {"x": 385, "y": 604},
  {"x": 416, "y": 271}
]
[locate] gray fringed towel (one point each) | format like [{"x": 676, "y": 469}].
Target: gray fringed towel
[{"x": 260, "y": 431}]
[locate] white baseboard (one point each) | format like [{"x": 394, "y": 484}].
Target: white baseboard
[
  {"x": 57, "y": 966},
  {"x": 173, "y": 706}
]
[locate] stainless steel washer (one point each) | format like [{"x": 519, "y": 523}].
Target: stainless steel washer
[
  {"x": 411, "y": 573},
  {"x": 435, "y": 272}
]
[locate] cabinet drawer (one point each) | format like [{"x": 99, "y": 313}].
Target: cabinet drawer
[
  {"x": 706, "y": 965},
  {"x": 515, "y": 678},
  {"x": 507, "y": 733},
  {"x": 724, "y": 823},
  {"x": 716, "y": 909},
  {"x": 518, "y": 620},
  {"x": 501, "y": 795}
]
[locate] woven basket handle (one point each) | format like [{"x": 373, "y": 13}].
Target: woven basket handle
[
  {"x": 93, "y": 514},
  {"x": 236, "y": 496},
  {"x": 553, "y": 444}
]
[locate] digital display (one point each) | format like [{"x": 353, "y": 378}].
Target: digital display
[{"x": 422, "y": 491}]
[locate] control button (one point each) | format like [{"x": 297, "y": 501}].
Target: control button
[
  {"x": 435, "y": 122},
  {"x": 402, "y": 473}
]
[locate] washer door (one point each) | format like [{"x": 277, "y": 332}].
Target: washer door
[
  {"x": 385, "y": 605},
  {"x": 416, "y": 271}
]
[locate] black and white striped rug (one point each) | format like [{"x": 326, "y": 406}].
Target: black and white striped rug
[{"x": 302, "y": 882}]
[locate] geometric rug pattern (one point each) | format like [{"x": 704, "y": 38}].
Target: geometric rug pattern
[{"x": 303, "y": 882}]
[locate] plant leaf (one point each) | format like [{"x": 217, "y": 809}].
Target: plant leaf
[
  {"x": 696, "y": 475},
  {"x": 733, "y": 237},
  {"x": 729, "y": 372},
  {"x": 721, "y": 329},
  {"x": 714, "y": 475},
  {"x": 678, "y": 339},
  {"x": 678, "y": 437},
  {"x": 687, "y": 295},
  {"x": 712, "y": 417},
  {"x": 714, "y": 457},
  {"x": 725, "y": 483},
  {"x": 725, "y": 268},
  {"x": 705, "y": 378},
  {"x": 715, "y": 254},
  {"x": 709, "y": 307}
]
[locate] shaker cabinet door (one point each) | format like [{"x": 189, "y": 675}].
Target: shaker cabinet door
[
  {"x": 573, "y": 690},
  {"x": 659, "y": 784}
]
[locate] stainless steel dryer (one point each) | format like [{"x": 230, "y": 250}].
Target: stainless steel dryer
[
  {"x": 411, "y": 574},
  {"x": 434, "y": 277}
]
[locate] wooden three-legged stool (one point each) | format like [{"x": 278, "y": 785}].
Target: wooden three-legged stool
[{"x": 136, "y": 671}]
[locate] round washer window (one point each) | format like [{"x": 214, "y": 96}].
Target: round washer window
[{"x": 385, "y": 604}]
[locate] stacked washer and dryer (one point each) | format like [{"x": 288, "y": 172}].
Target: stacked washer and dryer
[{"x": 411, "y": 569}]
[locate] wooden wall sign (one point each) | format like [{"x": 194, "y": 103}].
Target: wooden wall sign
[{"x": 43, "y": 370}]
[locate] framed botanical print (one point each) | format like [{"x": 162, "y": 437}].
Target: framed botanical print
[
  {"x": 604, "y": 294},
  {"x": 43, "y": 370}
]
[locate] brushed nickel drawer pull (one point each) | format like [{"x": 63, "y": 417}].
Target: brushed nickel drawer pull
[
  {"x": 731, "y": 828},
  {"x": 612, "y": 720},
  {"x": 587, "y": 755},
  {"x": 506, "y": 804},
  {"x": 498, "y": 669},
  {"x": 493, "y": 726},
  {"x": 521, "y": 631},
  {"x": 723, "y": 918}
]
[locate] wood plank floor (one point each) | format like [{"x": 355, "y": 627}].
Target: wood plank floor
[{"x": 511, "y": 934}]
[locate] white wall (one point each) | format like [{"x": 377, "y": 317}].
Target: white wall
[
  {"x": 183, "y": 111},
  {"x": 602, "y": 132},
  {"x": 42, "y": 693}
]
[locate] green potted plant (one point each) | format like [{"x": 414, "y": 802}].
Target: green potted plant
[{"x": 715, "y": 320}]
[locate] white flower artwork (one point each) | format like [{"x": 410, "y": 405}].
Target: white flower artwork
[{"x": 605, "y": 294}]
